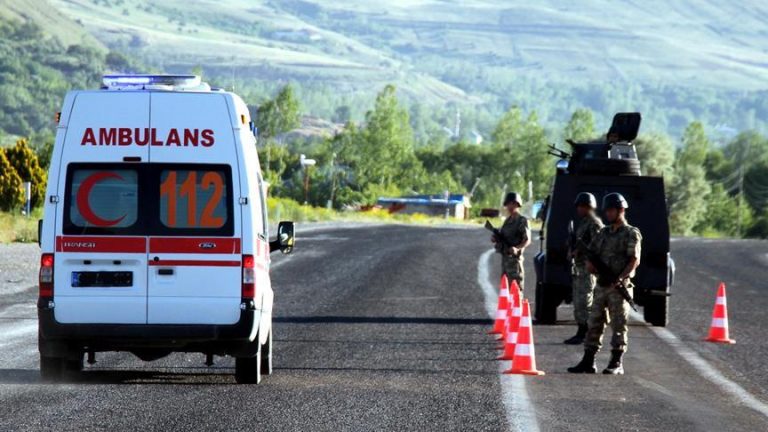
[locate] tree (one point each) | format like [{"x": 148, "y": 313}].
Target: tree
[
  {"x": 24, "y": 162},
  {"x": 690, "y": 189},
  {"x": 386, "y": 144},
  {"x": 522, "y": 145},
  {"x": 657, "y": 156},
  {"x": 581, "y": 126},
  {"x": 695, "y": 145},
  {"x": 760, "y": 228},
  {"x": 509, "y": 129},
  {"x": 279, "y": 115},
  {"x": 11, "y": 192},
  {"x": 688, "y": 199},
  {"x": 342, "y": 114},
  {"x": 722, "y": 216}
]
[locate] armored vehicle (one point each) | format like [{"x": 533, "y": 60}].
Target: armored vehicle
[{"x": 602, "y": 167}]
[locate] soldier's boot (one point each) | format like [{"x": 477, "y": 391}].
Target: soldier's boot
[
  {"x": 615, "y": 366},
  {"x": 587, "y": 363},
  {"x": 578, "y": 339}
]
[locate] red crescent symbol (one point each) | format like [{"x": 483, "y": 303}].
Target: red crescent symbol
[{"x": 84, "y": 193}]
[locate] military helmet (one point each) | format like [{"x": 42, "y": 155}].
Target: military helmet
[
  {"x": 513, "y": 197},
  {"x": 614, "y": 200},
  {"x": 587, "y": 199}
]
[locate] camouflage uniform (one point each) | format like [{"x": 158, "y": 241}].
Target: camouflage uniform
[
  {"x": 583, "y": 282},
  {"x": 615, "y": 248},
  {"x": 515, "y": 232}
]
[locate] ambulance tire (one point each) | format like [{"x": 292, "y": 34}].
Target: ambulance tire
[
  {"x": 248, "y": 369},
  {"x": 73, "y": 368},
  {"x": 51, "y": 368},
  {"x": 266, "y": 356}
]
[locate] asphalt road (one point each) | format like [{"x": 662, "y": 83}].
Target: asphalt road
[{"x": 383, "y": 328}]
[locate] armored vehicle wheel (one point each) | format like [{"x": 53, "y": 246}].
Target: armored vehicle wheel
[
  {"x": 545, "y": 308},
  {"x": 656, "y": 310}
]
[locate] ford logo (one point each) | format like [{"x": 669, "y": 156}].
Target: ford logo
[{"x": 207, "y": 245}]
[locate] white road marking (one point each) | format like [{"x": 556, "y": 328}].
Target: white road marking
[
  {"x": 517, "y": 403},
  {"x": 706, "y": 370}
]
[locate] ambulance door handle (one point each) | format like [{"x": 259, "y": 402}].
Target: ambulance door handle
[{"x": 165, "y": 272}]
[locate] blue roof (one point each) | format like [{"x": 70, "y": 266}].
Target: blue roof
[{"x": 427, "y": 200}]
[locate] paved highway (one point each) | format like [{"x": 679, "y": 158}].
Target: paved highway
[{"x": 383, "y": 328}]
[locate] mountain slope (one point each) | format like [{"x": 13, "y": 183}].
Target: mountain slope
[
  {"x": 50, "y": 21},
  {"x": 677, "y": 61}
]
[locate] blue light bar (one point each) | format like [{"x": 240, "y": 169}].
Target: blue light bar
[{"x": 141, "y": 80}]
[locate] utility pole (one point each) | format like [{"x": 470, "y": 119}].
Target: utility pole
[
  {"x": 306, "y": 164},
  {"x": 741, "y": 198},
  {"x": 333, "y": 181}
]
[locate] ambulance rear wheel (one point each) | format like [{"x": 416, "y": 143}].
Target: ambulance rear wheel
[
  {"x": 545, "y": 306},
  {"x": 72, "y": 367},
  {"x": 248, "y": 369},
  {"x": 51, "y": 368},
  {"x": 656, "y": 310},
  {"x": 266, "y": 356}
]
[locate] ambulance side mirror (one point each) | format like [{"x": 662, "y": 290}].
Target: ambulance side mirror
[
  {"x": 40, "y": 232},
  {"x": 285, "y": 238}
]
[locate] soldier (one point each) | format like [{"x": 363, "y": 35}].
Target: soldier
[
  {"x": 582, "y": 281},
  {"x": 517, "y": 235},
  {"x": 618, "y": 246}
]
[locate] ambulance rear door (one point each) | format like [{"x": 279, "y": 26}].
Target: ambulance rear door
[
  {"x": 195, "y": 248},
  {"x": 100, "y": 247}
]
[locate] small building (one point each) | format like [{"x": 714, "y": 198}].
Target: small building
[{"x": 445, "y": 205}]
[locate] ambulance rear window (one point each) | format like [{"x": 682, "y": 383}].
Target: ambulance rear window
[
  {"x": 194, "y": 199},
  {"x": 149, "y": 199},
  {"x": 102, "y": 200}
]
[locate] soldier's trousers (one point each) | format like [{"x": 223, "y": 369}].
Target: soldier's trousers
[
  {"x": 607, "y": 301},
  {"x": 583, "y": 284},
  {"x": 513, "y": 267}
]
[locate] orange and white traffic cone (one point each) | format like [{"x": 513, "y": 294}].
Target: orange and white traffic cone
[
  {"x": 502, "y": 308},
  {"x": 513, "y": 327},
  {"x": 513, "y": 286},
  {"x": 524, "y": 361},
  {"x": 515, "y": 300},
  {"x": 718, "y": 331}
]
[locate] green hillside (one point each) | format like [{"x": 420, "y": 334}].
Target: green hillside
[
  {"x": 42, "y": 55},
  {"x": 50, "y": 21},
  {"x": 676, "y": 61}
]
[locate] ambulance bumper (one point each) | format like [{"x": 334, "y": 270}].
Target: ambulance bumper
[{"x": 181, "y": 337}]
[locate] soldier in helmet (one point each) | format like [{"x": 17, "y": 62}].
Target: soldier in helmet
[
  {"x": 586, "y": 228},
  {"x": 618, "y": 246},
  {"x": 517, "y": 236}
]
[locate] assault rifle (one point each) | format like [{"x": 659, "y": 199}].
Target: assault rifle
[
  {"x": 497, "y": 235},
  {"x": 605, "y": 274}
]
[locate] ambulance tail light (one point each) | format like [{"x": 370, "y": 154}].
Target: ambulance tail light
[
  {"x": 46, "y": 276},
  {"x": 249, "y": 277}
]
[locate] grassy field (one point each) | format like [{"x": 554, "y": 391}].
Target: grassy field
[{"x": 15, "y": 227}]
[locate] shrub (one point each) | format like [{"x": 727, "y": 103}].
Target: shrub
[
  {"x": 24, "y": 161},
  {"x": 11, "y": 190}
]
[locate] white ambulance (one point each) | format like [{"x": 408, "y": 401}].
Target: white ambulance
[{"x": 155, "y": 236}]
